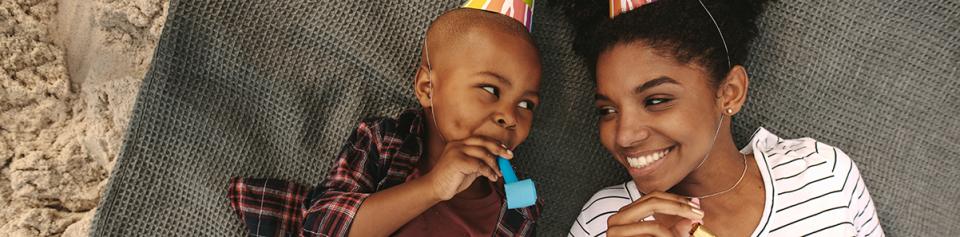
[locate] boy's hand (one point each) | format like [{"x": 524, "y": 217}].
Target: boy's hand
[{"x": 462, "y": 162}]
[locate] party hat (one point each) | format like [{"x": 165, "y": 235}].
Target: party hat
[
  {"x": 621, "y": 6},
  {"x": 520, "y": 10}
]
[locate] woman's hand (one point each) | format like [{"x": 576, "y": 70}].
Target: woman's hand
[
  {"x": 462, "y": 161},
  {"x": 675, "y": 216}
]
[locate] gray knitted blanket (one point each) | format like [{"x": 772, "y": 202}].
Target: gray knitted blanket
[{"x": 272, "y": 89}]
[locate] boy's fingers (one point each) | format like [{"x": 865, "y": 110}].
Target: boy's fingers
[
  {"x": 481, "y": 154},
  {"x": 483, "y": 169},
  {"x": 492, "y": 145}
]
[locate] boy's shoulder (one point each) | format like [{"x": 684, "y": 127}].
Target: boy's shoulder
[{"x": 407, "y": 122}]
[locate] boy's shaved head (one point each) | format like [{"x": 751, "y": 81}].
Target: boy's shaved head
[
  {"x": 479, "y": 75},
  {"x": 451, "y": 27}
]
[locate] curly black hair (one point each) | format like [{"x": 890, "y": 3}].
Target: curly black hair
[{"x": 680, "y": 28}]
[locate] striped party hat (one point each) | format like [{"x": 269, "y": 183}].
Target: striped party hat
[
  {"x": 621, "y": 6},
  {"x": 520, "y": 10}
]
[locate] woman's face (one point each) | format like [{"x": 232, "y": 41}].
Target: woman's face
[{"x": 658, "y": 117}]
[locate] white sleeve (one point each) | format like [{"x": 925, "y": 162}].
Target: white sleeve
[
  {"x": 864, "y": 216},
  {"x": 579, "y": 229}
]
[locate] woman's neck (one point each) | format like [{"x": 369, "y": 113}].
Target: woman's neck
[
  {"x": 735, "y": 212},
  {"x": 720, "y": 171}
]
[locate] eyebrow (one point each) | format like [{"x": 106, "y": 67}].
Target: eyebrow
[
  {"x": 532, "y": 93},
  {"x": 600, "y": 97},
  {"x": 497, "y": 76},
  {"x": 503, "y": 80},
  {"x": 646, "y": 85},
  {"x": 652, "y": 83}
]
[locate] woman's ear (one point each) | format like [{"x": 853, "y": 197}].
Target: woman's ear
[
  {"x": 732, "y": 93},
  {"x": 422, "y": 86}
]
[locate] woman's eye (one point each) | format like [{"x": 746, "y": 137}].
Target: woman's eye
[
  {"x": 492, "y": 90},
  {"x": 605, "y": 110},
  {"x": 656, "y": 101},
  {"x": 526, "y": 105}
]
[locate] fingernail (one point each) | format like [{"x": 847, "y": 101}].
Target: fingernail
[
  {"x": 695, "y": 202},
  {"x": 697, "y": 211},
  {"x": 510, "y": 153}
]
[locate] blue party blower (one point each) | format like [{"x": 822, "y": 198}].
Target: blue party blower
[{"x": 521, "y": 193}]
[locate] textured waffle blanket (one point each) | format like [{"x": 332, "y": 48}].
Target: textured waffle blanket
[{"x": 273, "y": 88}]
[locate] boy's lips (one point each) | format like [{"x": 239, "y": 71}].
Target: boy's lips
[{"x": 501, "y": 139}]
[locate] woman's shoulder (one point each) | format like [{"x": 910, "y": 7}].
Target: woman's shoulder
[
  {"x": 804, "y": 164},
  {"x": 814, "y": 185},
  {"x": 793, "y": 157}
]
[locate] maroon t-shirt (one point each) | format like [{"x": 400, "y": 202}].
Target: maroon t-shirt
[{"x": 456, "y": 217}]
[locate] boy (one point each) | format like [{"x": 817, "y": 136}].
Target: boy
[{"x": 430, "y": 170}]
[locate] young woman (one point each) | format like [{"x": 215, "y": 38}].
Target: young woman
[{"x": 670, "y": 78}]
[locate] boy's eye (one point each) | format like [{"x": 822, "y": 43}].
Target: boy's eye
[
  {"x": 493, "y": 90},
  {"x": 526, "y": 104}
]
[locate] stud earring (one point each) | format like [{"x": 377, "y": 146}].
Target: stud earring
[{"x": 729, "y": 111}]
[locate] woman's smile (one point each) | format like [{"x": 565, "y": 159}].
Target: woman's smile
[{"x": 642, "y": 163}]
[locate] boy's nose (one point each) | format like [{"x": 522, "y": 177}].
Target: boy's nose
[{"x": 505, "y": 121}]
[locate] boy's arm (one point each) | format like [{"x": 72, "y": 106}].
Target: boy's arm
[
  {"x": 332, "y": 208},
  {"x": 348, "y": 203},
  {"x": 459, "y": 165}
]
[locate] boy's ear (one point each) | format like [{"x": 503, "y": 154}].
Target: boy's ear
[
  {"x": 732, "y": 93},
  {"x": 422, "y": 86}
]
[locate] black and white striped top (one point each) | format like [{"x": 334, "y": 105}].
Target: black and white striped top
[{"x": 812, "y": 189}]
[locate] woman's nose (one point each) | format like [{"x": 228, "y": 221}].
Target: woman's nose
[{"x": 631, "y": 132}]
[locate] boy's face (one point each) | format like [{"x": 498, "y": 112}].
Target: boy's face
[{"x": 484, "y": 83}]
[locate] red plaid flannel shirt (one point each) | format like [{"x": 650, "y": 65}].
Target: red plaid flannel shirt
[{"x": 380, "y": 154}]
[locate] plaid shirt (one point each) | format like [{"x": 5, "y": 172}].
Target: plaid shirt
[{"x": 380, "y": 154}]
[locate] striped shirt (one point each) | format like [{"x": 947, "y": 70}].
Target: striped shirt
[{"x": 812, "y": 189}]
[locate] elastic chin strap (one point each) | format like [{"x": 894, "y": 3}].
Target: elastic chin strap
[
  {"x": 714, "y": 142},
  {"x": 433, "y": 108},
  {"x": 722, "y": 39}
]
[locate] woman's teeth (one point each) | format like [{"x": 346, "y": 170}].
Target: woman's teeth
[{"x": 640, "y": 162}]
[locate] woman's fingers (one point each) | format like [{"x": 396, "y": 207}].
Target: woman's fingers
[
  {"x": 641, "y": 209},
  {"x": 639, "y": 229},
  {"x": 663, "y": 195},
  {"x": 683, "y": 227}
]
